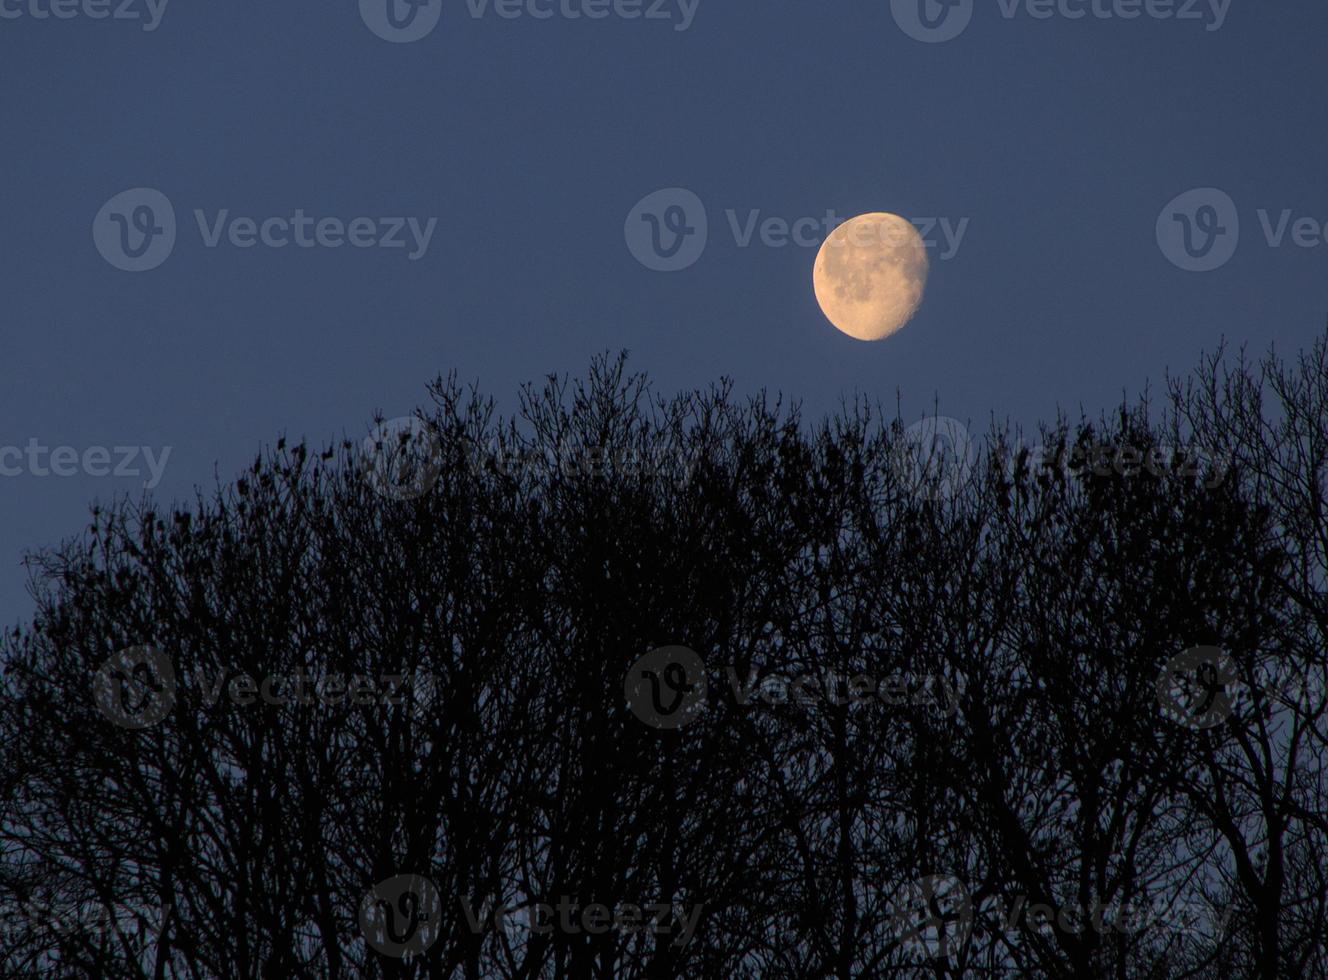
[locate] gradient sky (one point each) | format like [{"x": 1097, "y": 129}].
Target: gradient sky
[{"x": 1059, "y": 141}]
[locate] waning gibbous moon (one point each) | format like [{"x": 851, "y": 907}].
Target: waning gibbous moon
[{"x": 870, "y": 275}]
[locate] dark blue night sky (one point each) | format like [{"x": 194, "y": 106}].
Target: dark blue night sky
[{"x": 506, "y": 149}]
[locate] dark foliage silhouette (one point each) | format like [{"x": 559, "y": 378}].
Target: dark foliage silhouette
[{"x": 1018, "y": 792}]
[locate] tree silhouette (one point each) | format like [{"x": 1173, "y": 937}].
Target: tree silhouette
[{"x": 637, "y": 686}]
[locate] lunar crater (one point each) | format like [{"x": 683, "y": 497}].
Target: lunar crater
[{"x": 870, "y": 275}]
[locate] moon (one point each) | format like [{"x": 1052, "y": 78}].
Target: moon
[{"x": 870, "y": 275}]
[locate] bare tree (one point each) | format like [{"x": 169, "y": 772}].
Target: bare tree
[{"x": 376, "y": 710}]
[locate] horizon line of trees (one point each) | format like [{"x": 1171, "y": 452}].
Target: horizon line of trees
[{"x": 1126, "y": 626}]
